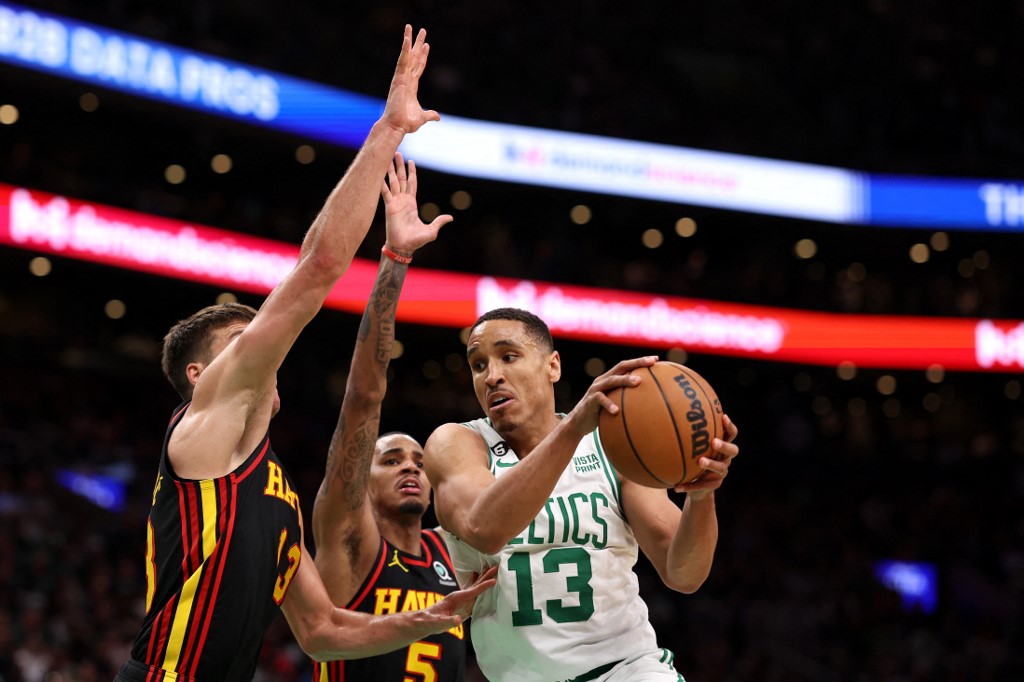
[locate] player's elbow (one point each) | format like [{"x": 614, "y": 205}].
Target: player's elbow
[
  {"x": 686, "y": 582},
  {"x": 486, "y": 539},
  {"x": 322, "y": 644}
]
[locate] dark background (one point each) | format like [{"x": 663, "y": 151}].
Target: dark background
[{"x": 832, "y": 474}]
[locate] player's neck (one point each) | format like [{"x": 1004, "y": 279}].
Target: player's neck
[
  {"x": 526, "y": 437},
  {"x": 402, "y": 533}
]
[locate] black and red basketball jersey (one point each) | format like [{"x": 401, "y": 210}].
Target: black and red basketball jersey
[
  {"x": 220, "y": 555},
  {"x": 404, "y": 582}
]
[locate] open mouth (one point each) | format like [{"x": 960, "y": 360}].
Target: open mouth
[
  {"x": 411, "y": 486},
  {"x": 496, "y": 402}
]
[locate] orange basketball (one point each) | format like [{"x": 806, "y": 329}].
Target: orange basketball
[{"x": 663, "y": 426}]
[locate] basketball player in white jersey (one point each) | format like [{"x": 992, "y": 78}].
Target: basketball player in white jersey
[{"x": 530, "y": 490}]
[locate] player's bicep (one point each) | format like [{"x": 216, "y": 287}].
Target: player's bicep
[
  {"x": 262, "y": 347},
  {"x": 455, "y": 462}
]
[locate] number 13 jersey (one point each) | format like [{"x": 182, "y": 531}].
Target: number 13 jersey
[{"x": 567, "y": 600}]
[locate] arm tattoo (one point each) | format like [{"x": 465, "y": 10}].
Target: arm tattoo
[{"x": 351, "y": 450}]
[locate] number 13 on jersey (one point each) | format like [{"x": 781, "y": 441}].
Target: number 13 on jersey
[{"x": 559, "y": 560}]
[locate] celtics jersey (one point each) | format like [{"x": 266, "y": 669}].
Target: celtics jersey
[
  {"x": 567, "y": 600},
  {"x": 401, "y": 582},
  {"x": 220, "y": 555}
]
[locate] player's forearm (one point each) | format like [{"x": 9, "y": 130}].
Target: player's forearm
[
  {"x": 367, "y": 379},
  {"x": 351, "y": 449},
  {"x": 351, "y": 634},
  {"x": 345, "y": 218},
  {"x": 508, "y": 506},
  {"x": 692, "y": 548}
]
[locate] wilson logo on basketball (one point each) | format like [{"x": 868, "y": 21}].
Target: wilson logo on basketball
[{"x": 699, "y": 436}]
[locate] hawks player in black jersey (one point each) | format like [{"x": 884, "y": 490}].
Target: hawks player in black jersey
[
  {"x": 225, "y": 548},
  {"x": 371, "y": 550}
]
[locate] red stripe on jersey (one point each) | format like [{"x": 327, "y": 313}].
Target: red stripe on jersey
[
  {"x": 183, "y": 515},
  {"x": 441, "y": 548},
  {"x": 221, "y": 554},
  {"x": 177, "y": 414},
  {"x": 195, "y": 548},
  {"x": 237, "y": 478},
  {"x": 352, "y": 605},
  {"x": 158, "y": 634},
  {"x": 428, "y": 557},
  {"x": 202, "y": 604}
]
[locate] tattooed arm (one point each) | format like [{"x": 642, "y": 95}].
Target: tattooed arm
[{"x": 344, "y": 528}]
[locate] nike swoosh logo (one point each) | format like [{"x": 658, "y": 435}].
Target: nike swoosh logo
[{"x": 498, "y": 462}]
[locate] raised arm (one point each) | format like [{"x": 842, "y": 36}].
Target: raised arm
[
  {"x": 486, "y": 512},
  {"x": 681, "y": 543},
  {"x": 344, "y": 529},
  {"x": 228, "y": 408}
]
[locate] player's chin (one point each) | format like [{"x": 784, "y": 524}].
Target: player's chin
[{"x": 413, "y": 506}]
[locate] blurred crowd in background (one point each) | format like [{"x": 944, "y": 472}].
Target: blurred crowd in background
[{"x": 832, "y": 477}]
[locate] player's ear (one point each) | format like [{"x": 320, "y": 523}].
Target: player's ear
[
  {"x": 193, "y": 370},
  {"x": 554, "y": 366}
]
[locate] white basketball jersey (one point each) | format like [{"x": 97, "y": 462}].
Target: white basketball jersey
[{"x": 567, "y": 599}]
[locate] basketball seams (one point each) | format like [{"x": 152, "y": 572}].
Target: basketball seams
[
  {"x": 629, "y": 438},
  {"x": 675, "y": 425}
]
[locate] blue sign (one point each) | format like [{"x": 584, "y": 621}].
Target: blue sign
[
  {"x": 507, "y": 153},
  {"x": 151, "y": 69},
  {"x": 915, "y": 581},
  {"x": 105, "y": 492}
]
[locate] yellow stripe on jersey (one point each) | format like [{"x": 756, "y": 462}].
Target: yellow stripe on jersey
[
  {"x": 179, "y": 627},
  {"x": 182, "y": 614},
  {"x": 209, "y": 495},
  {"x": 150, "y": 565}
]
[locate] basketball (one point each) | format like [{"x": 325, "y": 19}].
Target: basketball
[{"x": 664, "y": 425}]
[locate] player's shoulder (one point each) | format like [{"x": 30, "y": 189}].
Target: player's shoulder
[{"x": 457, "y": 431}]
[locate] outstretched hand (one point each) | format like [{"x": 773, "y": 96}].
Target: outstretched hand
[
  {"x": 405, "y": 231},
  {"x": 457, "y": 606},
  {"x": 403, "y": 110}
]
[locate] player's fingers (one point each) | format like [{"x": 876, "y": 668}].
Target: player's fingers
[
  {"x": 491, "y": 572},
  {"x": 411, "y": 183},
  {"x": 421, "y": 61},
  {"x": 440, "y": 221},
  {"x": 403, "y": 56},
  {"x": 626, "y": 366},
  {"x": 726, "y": 449},
  {"x": 719, "y": 467},
  {"x": 393, "y": 176},
  {"x": 731, "y": 430}
]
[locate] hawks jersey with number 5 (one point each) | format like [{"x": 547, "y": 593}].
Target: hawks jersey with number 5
[
  {"x": 220, "y": 556},
  {"x": 567, "y": 600},
  {"x": 403, "y": 582}
]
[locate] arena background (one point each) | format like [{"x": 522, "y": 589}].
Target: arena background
[{"x": 833, "y": 476}]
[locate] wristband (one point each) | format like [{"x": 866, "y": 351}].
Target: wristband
[{"x": 404, "y": 260}]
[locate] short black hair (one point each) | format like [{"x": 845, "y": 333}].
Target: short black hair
[
  {"x": 189, "y": 340},
  {"x": 536, "y": 328}
]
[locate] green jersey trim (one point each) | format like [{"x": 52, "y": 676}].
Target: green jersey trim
[
  {"x": 490, "y": 458},
  {"x": 609, "y": 470}
]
